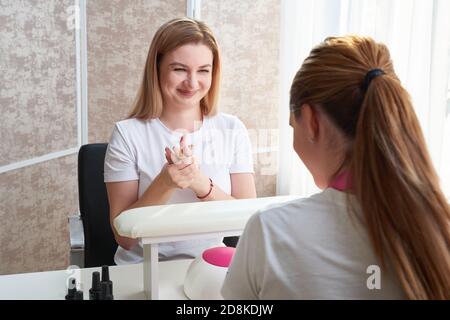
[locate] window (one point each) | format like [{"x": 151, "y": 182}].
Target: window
[{"x": 415, "y": 31}]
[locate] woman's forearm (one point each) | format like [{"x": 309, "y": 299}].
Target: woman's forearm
[
  {"x": 217, "y": 194},
  {"x": 202, "y": 187},
  {"x": 242, "y": 187},
  {"x": 157, "y": 193}
]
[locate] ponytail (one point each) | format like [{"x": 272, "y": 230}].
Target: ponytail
[{"x": 405, "y": 213}]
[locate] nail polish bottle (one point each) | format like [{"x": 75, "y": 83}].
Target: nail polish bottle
[
  {"x": 95, "y": 293},
  {"x": 72, "y": 292},
  {"x": 106, "y": 284}
]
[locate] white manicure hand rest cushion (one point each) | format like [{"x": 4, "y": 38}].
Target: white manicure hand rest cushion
[{"x": 191, "y": 218}]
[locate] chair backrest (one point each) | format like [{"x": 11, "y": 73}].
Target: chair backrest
[{"x": 99, "y": 243}]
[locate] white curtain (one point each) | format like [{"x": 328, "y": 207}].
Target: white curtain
[{"x": 417, "y": 33}]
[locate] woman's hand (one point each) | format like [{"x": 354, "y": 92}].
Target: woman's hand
[
  {"x": 179, "y": 155},
  {"x": 182, "y": 171},
  {"x": 177, "y": 175},
  {"x": 200, "y": 183},
  {"x": 185, "y": 176}
]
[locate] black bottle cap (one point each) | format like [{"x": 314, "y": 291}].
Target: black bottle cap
[
  {"x": 96, "y": 280},
  {"x": 105, "y": 273},
  {"x": 105, "y": 279},
  {"x": 72, "y": 289},
  {"x": 95, "y": 293}
]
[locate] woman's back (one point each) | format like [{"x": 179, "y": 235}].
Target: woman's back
[
  {"x": 309, "y": 249},
  {"x": 353, "y": 121}
]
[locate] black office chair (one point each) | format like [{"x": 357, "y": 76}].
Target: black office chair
[{"x": 99, "y": 243}]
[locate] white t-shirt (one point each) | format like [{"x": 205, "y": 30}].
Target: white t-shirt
[
  {"x": 221, "y": 146},
  {"x": 308, "y": 249}
]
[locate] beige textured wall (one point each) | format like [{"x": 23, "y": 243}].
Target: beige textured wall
[
  {"x": 34, "y": 204},
  {"x": 248, "y": 34},
  {"x": 119, "y": 36},
  {"x": 38, "y": 107},
  {"x": 37, "y": 80}
]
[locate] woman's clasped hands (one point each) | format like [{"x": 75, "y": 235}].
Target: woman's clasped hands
[{"x": 182, "y": 171}]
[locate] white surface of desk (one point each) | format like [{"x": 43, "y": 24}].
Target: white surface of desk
[{"x": 127, "y": 282}]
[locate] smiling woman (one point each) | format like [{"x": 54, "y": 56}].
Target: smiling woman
[{"x": 176, "y": 109}]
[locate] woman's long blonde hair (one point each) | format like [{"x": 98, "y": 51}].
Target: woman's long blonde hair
[
  {"x": 177, "y": 32},
  {"x": 404, "y": 209}
]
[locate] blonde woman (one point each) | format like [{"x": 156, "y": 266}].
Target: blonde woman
[
  {"x": 175, "y": 146},
  {"x": 380, "y": 229}
]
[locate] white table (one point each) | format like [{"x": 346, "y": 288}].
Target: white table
[{"x": 127, "y": 282}]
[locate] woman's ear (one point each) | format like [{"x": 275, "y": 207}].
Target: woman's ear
[{"x": 310, "y": 122}]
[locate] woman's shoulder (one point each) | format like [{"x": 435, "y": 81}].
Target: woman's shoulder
[
  {"x": 301, "y": 218},
  {"x": 133, "y": 124},
  {"x": 321, "y": 204}
]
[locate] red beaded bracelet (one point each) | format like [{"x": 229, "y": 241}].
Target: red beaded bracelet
[{"x": 211, "y": 185}]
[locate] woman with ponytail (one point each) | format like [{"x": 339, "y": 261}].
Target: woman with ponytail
[{"x": 380, "y": 229}]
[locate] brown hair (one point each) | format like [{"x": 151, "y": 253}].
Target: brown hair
[
  {"x": 177, "y": 32},
  {"x": 404, "y": 210}
]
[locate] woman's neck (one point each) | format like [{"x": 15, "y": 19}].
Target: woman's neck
[
  {"x": 342, "y": 181},
  {"x": 189, "y": 120}
]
